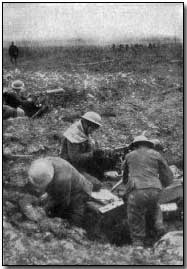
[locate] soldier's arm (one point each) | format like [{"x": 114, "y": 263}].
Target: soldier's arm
[
  {"x": 125, "y": 170},
  {"x": 165, "y": 173},
  {"x": 61, "y": 190},
  {"x": 29, "y": 207},
  {"x": 75, "y": 154}
]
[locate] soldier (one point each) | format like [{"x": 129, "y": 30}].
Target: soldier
[
  {"x": 61, "y": 188},
  {"x": 145, "y": 173},
  {"x": 12, "y": 97},
  {"x": 19, "y": 88},
  {"x": 150, "y": 46},
  {"x": 13, "y": 53},
  {"x": 80, "y": 149},
  {"x": 121, "y": 47},
  {"x": 17, "y": 97}
]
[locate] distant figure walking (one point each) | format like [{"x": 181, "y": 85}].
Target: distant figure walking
[{"x": 13, "y": 53}]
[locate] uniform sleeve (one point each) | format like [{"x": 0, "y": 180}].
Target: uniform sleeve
[
  {"x": 87, "y": 186},
  {"x": 29, "y": 207},
  {"x": 165, "y": 173},
  {"x": 75, "y": 155},
  {"x": 61, "y": 190},
  {"x": 125, "y": 170}
]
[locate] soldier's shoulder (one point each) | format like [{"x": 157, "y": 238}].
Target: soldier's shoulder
[{"x": 131, "y": 153}]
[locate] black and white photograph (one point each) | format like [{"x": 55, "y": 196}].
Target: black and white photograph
[{"x": 92, "y": 133}]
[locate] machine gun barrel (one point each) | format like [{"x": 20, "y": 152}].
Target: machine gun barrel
[
  {"x": 15, "y": 156},
  {"x": 55, "y": 91},
  {"x": 121, "y": 148}
]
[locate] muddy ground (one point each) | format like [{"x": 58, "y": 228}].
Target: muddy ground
[{"x": 133, "y": 93}]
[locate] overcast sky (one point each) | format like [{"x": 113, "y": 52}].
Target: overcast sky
[{"x": 102, "y": 22}]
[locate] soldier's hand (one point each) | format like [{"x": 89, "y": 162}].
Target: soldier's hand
[{"x": 31, "y": 213}]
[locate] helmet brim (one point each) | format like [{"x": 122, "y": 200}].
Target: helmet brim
[
  {"x": 18, "y": 88},
  {"x": 92, "y": 121},
  {"x": 142, "y": 142}
]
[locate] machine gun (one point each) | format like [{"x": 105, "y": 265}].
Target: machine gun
[
  {"x": 121, "y": 151},
  {"x": 110, "y": 152},
  {"x": 118, "y": 154},
  {"x": 107, "y": 159}
]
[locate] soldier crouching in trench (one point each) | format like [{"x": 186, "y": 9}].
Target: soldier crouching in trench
[
  {"x": 62, "y": 188},
  {"x": 15, "y": 102},
  {"x": 145, "y": 171},
  {"x": 82, "y": 151}
]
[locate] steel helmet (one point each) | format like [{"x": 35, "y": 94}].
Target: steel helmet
[
  {"x": 141, "y": 138},
  {"x": 92, "y": 117},
  {"x": 41, "y": 173},
  {"x": 17, "y": 85}
]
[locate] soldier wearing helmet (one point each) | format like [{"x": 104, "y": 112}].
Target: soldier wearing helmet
[
  {"x": 18, "y": 87},
  {"x": 62, "y": 188},
  {"x": 18, "y": 97},
  {"x": 13, "y": 96},
  {"x": 78, "y": 147},
  {"x": 145, "y": 172}
]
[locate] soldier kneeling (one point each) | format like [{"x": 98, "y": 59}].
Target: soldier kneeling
[{"x": 64, "y": 188}]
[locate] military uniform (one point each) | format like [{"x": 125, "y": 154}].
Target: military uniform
[
  {"x": 67, "y": 192},
  {"x": 13, "y": 52},
  {"x": 78, "y": 149},
  {"x": 146, "y": 172}
]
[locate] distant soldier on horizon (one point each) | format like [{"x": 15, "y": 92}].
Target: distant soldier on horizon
[
  {"x": 13, "y": 53},
  {"x": 150, "y": 46},
  {"x": 121, "y": 47}
]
